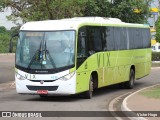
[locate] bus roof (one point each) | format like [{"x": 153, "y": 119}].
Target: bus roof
[{"x": 75, "y": 23}]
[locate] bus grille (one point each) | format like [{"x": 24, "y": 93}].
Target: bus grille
[{"x": 35, "y": 88}]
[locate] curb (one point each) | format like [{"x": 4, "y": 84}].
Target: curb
[
  {"x": 7, "y": 53},
  {"x": 111, "y": 104},
  {"x": 125, "y": 108},
  {"x": 155, "y": 61},
  {"x": 153, "y": 68}
]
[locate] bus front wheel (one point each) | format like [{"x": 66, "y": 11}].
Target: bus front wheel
[
  {"x": 88, "y": 94},
  {"x": 130, "y": 84}
]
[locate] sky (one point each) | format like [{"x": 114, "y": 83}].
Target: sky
[
  {"x": 4, "y": 21},
  {"x": 9, "y": 24}
]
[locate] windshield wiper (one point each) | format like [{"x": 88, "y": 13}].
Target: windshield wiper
[
  {"x": 50, "y": 58},
  {"x": 41, "y": 55},
  {"x": 40, "y": 52},
  {"x": 33, "y": 59}
]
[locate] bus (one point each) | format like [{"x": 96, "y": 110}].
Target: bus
[{"x": 78, "y": 55}]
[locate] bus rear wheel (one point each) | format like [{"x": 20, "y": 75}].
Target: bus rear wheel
[
  {"x": 88, "y": 94},
  {"x": 130, "y": 84}
]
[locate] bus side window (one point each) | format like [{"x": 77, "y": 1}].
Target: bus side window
[
  {"x": 81, "y": 44},
  {"x": 95, "y": 40},
  {"x": 110, "y": 39}
]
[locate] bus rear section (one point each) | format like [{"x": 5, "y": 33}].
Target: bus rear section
[{"x": 108, "y": 55}]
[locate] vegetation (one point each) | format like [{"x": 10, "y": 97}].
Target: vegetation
[
  {"x": 4, "y": 40},
  {"x": 133, "y": 11},
  {"x": 155, "y": 56},
  {"x": 5, "y": 36},
  {"x": 158, "y": 30},
  {"x": 152, "y": 92},
  {"x": 2, "y": 5}
]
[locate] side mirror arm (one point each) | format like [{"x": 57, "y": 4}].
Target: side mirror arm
[{"x": 11, "y": 43}]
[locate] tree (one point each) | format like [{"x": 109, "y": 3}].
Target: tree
[
  {"x": 158, "y": 30},
  {"x": 97, "y": 8},
  {"x": 3, "y": 29},
  {"x": 4, "y": 42},
  {"x": 122, "y": 9},
  {"x": 128, "y": 13},
  {"x": 158, "y": 26},
  {"x": 30, "y": 10},
  {"x": 2, "y": 5},
  {"x": 4, "y": 39},
  {"x": 14, "y": 30}
]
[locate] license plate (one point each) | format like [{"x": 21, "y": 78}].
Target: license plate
[{"x": 42, "y": 91}]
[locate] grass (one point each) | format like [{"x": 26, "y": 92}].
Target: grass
[{"x": 152, "y": 92}]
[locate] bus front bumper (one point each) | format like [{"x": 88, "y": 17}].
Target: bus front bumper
[{"x": 58, "y": 87}]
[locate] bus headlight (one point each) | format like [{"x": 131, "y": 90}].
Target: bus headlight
[
  {"x": 68, "y": 76},
  {"x": 20, "y": 77}
]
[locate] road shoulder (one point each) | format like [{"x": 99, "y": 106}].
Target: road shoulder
[
  {"x": 7, "y": 85},
  {"x": 138, "y": 102}
]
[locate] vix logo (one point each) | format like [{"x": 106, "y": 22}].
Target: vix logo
[{"x": 99, "y": 61}]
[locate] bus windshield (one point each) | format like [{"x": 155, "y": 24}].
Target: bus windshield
[{"x": 45, "y": 50}]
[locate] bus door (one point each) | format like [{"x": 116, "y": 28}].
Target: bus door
[{"x": 82, "y": 63}]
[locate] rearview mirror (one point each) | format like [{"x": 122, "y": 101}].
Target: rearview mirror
[{"x": 11, "y": 43}]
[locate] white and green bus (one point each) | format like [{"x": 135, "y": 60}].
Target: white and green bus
[{"x": 78, "y": 55}]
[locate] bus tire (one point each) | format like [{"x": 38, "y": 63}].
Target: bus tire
[
  {"x": 88, "y": 94},
  {"x": 130, "y": 84}
]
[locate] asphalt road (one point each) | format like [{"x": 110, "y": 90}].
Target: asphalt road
[
  {"x": 6, "y": 68},
  {"x": 11, "y": 101}
]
